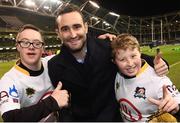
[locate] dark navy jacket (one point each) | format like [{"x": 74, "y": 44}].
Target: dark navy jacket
[{"x": 91, "y": 84}]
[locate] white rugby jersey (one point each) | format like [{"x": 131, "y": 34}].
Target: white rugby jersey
[
  {"x": 132, "y": 94},
  {"x": 18, "y": 89}
]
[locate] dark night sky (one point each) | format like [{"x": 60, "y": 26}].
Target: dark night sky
[{"x": 140, "y": 7}]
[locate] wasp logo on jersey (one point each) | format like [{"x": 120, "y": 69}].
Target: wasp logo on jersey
[
  {"x": 13, "y": 92},
  {"x": 30, "y": 92},
  {"x": 140, "y": 92},
  {"x": 117, "y": 85}
]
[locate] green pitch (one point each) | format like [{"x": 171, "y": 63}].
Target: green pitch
[
  {"x": 5, "y": 66},
  {"x": 171, "y": 53}
]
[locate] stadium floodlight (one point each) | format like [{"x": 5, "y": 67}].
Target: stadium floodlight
[
  {"x": 29, "y": 3},
  {"x": 108, "y": 28},
  {"x": 91, "y": 2},
  {"x": 106, "y": 23},
  {"x": 13, "y": 48},
  {"x": 56, "y": 1},
  {"x": 7, "y": 48},
  {"x": 46, "y": 7},
  {"x": 94, "y": 4},
  {"x": 43, "y": 0},
  {"x": 95, "y": 18},
  {"x": 59, "y": 2},
  {"x": 114, "y": 14}
]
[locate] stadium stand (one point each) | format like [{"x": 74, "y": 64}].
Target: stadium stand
[
  {"x": 13, "y": 21},
  {"x": 14, "y": 13},
  {"x": 2, "y": 23}
]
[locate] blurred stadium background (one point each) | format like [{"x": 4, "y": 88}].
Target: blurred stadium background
[
  {"x": 161, "y": 30},
  {"x": 150, "y": 30}
]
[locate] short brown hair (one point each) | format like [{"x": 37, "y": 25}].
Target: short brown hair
[
  {"x": 29, "y": 26},
  {"x": 68, "y": 9},
  {"x": 124, "y": 41}
]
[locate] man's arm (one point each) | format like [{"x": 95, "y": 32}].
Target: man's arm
[
  {"x": 160, "y": 65},
  {"x": 111, "y": 37}
]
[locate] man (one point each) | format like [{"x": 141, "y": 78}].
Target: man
[
  {"x": 25, "y": 89},
  {"x": 84, "y": 67}
]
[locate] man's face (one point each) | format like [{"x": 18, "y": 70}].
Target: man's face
[
  {"x": 72, "y": 31},
  {"x": 30, "y": 56},
  {"x": 128, "y": 61}
]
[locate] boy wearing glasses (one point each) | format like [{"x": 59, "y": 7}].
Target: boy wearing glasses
[{"x": 26, "y": 93}]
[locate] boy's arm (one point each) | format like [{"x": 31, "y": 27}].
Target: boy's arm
[
  {"x": 159, "y": 65},
  {"x": 32, "y": 113},
  {"x": 58, "y": 99},
  {"x": 167, "y": 103}
]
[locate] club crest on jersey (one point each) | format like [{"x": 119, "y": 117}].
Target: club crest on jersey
[
  {"x": 30, "y": 92},
  {"x": 140, "y": 92}
]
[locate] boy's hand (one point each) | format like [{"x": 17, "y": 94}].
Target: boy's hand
[
  {"x": 167, "y": 103},
  {"x": 61, "y": 96},
  {"x": 160, "y": 66}
]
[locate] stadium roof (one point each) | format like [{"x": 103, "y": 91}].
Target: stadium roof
[
  {"x": 141, "y": 7},
  {"x": 110, "y": 15}
]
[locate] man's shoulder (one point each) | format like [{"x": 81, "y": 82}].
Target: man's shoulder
[
  {"x": 94, "y": 38},
  {"x": 47, "y": 58},
  {"x": 55, "y": 58},
  {"x": 98, "y": 45}
]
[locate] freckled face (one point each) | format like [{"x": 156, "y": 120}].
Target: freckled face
[{"x": 128, "y": 61}]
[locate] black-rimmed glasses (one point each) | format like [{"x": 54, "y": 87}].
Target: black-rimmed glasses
[{"x": 35, "y": 44}]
